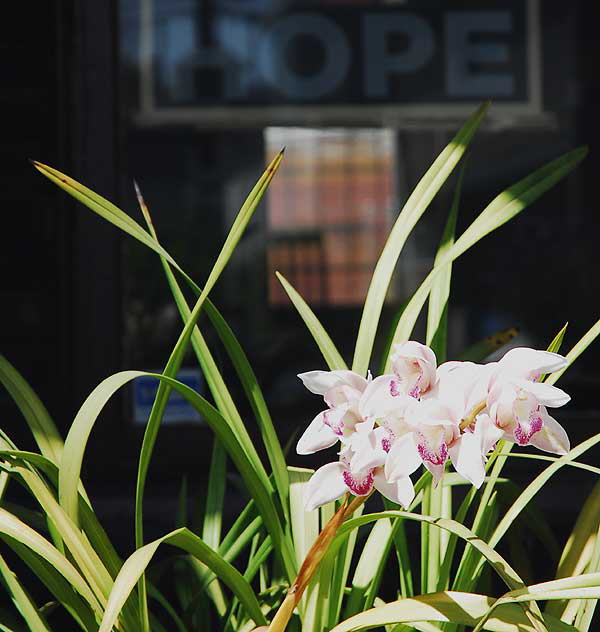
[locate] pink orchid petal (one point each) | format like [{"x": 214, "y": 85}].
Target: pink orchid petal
[
  {"x": 489, "y": 434},
  {"x": 546, "y": 394},
  {"x": 367, "y": 451},
  {"x": 525, "y": 430},
  {"x": 317, "y": 436},
  {"x": 326, "y": 484},
  {"x": 359, "y": 484},
  {"x": 403, "y": 458},
  {"x": 467, "y": 459},
  {"x": 552, "y": 437},
  {"x": 437, "y": 471},
  {"x": 526, "y": 362},
  {"x": 319, "y": 382},
  {"x": 400, "y": 492}
]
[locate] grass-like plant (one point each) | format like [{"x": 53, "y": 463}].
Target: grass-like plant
[{"x": 281, "y": 566}]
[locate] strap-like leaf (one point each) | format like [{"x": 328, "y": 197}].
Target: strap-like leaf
[
  {"x": 458, "y": 607},
  {"x": 437, "y": 314},
  {"x": 44, "y": 431},
  {"x": 330, "y": 353},
  {"x": 502, "y": 208},
  {"x": 414, "y": 208},
  {"x": 184, "y": 539}
]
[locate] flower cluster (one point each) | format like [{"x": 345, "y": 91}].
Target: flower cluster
[{"x": 427, "y": 414}]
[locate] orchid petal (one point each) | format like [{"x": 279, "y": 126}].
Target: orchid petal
[
  {"x": 317, "y": 436},
  {"x": 489, "y": 434},
  {"x": 400, "y": 492},
  {"x": 552, "y": 437},
  {"x": 367, "y": 451},
  {"x": 378, "y": 399},
  {"x": 546, "y": 394},
  {"x": 437, "y": 471},
  {"x": 326, "y": 484},
  {"x": 402, "y": 459},
  {"x": 319, "y": 382},
  {"x": 467, "y": 459},
  {"x": 525, "y": 361}
]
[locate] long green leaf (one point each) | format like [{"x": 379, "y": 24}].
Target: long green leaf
[
  {"x": 330, "y": 353},
  {"x": 577, "y": 350},
  {"x": 216, "y": 383},
  {"x": 581, "y": 587},
  {"x": 57, "y": 585},
  {"x": 533, "y": 488},
  {"x": 44, "y": 430},
  {"x": 253, "y": 479},
  {"x": 437, "y": 314},
  {"x": 415, "y": 206},
  {"x": 18, "y": 530},
  {"x": 463, "y": 608},
  {"x": 184, "y": 539},
  {"x": 103, "y": 207},
  {"x": 577, "y": 552},
  {"x": 369, "y": 566},
  {"x": 22, "y": 599},
  {"x": 496, "y": 561},
  {"x": 502, "y": 208}
]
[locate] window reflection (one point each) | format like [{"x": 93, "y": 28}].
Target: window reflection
[{"x": 329, "y": 211}]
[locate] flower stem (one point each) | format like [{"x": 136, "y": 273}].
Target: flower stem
[
  {"x": 465, "y": 422},
  {"x": 311, "y": 562}
]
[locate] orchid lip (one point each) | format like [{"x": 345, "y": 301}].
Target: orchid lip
[{"x": 359, "y": 487}]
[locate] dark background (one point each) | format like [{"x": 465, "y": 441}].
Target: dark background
[{"x": 69, "y": 279}]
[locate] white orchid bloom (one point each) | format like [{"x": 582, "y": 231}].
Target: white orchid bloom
[
  {"x": 382, "y": 404},
  {"x": 434, "y": 430},
  {"x": 517, "y": 400},
  {"x": 358, "y": 471},
  {"x": 341, "y": 391},
  {"x": 529, "y": 364},
  {"x": 414, "y": 367},
  {"x": 519, "y": 410}
]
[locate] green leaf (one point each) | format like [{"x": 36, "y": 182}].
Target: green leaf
[
  {"x": 103, "y": 207},
  {"x": 95, "y": 573},
  {"x": 19, "y": 531},
  {"x": 370, "y": 564},
  {"x": 496, "y": 561},
  {"x": 556, "y": 343},
  {"x": 437, "y": 314},
  {"x": 533, "y": 488},
  {"x": 463, "y": 608},
  {"x": 80, "y": 431},
  {"x": 581, "y": 587},
  {"x": 216, "y": 383},
  {"x": 57, "y": 585},
  {"x": 414, "y": 208},
  {"x": 330, "y": 353},
  {"x": 91, "y": 527},
  {"x": 22, "y": 600},
  {"x": 500, "y": 210},
  {"x": 215, "y": 496},
  {"x": 577, "y": 350},
  {"x": 44, "y": 431},
  {"x": 184, "y": 539}
]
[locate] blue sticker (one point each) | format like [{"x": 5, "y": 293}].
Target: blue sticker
[{"x": 178, "y": 409}]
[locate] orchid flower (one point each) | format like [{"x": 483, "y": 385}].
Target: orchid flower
[
  {"x": 414, "y": 367},
  {"x": 517, "y": 401},
  {"x": 433, "y": 431},
  {"x": 358, "y": 471},
  {"x": 341, "y": 391}
]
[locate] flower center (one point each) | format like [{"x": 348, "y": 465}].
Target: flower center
[{"x": 358, "y": 486}]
